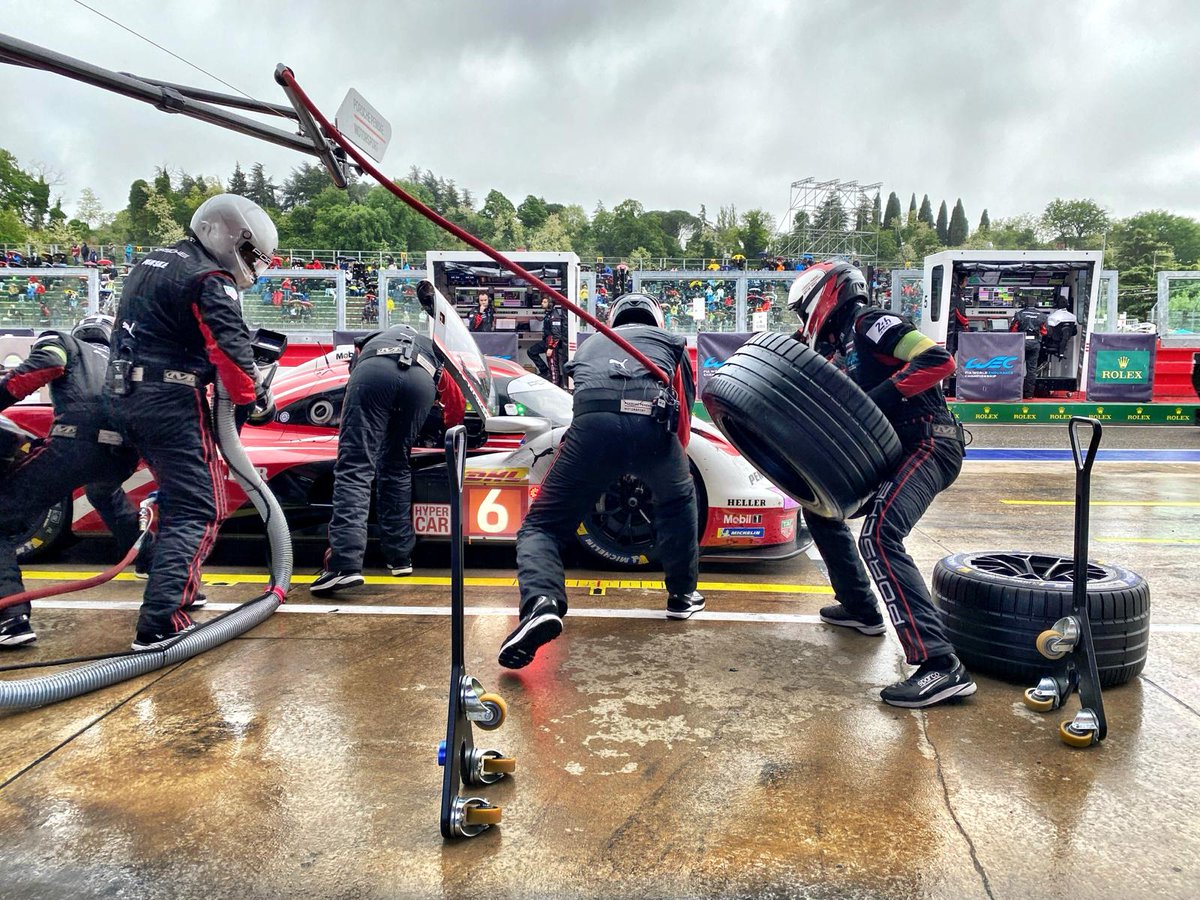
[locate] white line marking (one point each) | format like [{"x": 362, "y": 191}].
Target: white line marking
[{"x": 502, "y": 611}]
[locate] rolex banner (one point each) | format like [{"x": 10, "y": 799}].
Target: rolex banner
[
  {"x": 1121, "y": 368},
  {"x": 712, "y": 349},
  {"x": 989, "y": 365}
]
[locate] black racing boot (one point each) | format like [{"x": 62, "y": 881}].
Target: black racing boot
[
  {"x": 839, "y": 615},
  {"x": 541, "y": 622},
  {"x": 328, "y": 582},
  {"x": 16, "y": 631},
  {"x": 681, "y": 606},
  {"x": 937, "y": 680}
]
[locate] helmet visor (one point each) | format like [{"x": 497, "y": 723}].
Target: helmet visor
[{"x": 256, "y": 261}]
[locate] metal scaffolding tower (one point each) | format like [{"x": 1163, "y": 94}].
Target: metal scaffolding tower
[{"x": 824, "y": 218}]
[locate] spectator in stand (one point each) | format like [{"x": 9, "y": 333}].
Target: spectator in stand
[
  {"x": 75, "y": 253},
  {"x": 84, "y": 253},
  {"x": 129, "y": 254},
  {"x": 314, "y": 263},
  {"x": 484, "y": 317}
]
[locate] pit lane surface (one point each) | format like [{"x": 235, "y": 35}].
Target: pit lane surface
[{"x": 741, "y": 753}]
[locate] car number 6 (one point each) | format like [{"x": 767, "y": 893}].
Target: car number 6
[{"x": 492, "y": 517}]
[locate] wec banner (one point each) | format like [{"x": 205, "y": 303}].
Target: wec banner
[
  {"x": 1121, "y": 367},
  {"x": 712, "y": 349},
  {"x": 989, "y": 365}
]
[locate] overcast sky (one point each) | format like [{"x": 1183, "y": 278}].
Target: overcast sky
[{"x": 1006, "y": 104}]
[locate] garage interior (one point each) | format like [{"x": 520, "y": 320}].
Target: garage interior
[{"x": 741, "y": 753}]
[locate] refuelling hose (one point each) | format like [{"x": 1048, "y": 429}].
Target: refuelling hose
[
  {"x": 285, "y": 77},
  {"x": 44, "y": 689}
]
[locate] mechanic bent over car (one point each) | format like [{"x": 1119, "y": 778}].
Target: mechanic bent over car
[
  {"x": 394, "y": 377},
  {"x": 901, "y": 370},
  {"x": 625, "y": 423},
  {"x": 83, "y": 448},
  {"x": 179, "y": 325}
]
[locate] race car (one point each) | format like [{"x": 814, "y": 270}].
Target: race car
[{"x": 516, "y": 421}]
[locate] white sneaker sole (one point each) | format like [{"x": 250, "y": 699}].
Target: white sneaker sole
[
  {"x": 684, "y": 613},
  {"x": 329, "y": 586},
  {"x": 519, "y": 649},
  {"x": 401, "y": 572},
  {"x": 18, "y": 640},
  {"x": 860, "y": 627},
  {"x": 958, "y": 690}
]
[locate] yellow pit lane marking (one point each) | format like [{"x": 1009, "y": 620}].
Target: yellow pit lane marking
[
  {"x": 232, "y": 579},
  {"x": 1188, "y": 503}
]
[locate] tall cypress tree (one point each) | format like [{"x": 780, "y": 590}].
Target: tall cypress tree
[
  {"x": 985, "y": 224},
  {"x": 943, "y": 224},
  {"x": 891, "y": 215},
  {"x": 237, "y": 182},
  {"x": 912, "y": 208},
  {"x": 959, "y": 230},
  {"x": 875, "y": 211},
  {"x": 926, "y": 213}
]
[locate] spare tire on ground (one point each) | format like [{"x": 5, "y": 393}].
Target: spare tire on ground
[
  {"x": 995, "y": 604},
  {"x": 803, "y": 423}
]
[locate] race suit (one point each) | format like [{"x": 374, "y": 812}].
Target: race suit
[
  {"x": 83, "y": 448},
  {"x": 179, "y": 325},
  {"x": 1031, "y": 322},
  {"x": 554, "y": 340},
  {"x": 615, "y": 432},
  {"x": 901, "y": 370},
  {"x": 388, "y": 397}
]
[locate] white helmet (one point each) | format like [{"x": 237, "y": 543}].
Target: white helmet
[{"x": 238, "y": 233}]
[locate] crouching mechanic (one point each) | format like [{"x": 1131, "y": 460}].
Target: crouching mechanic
[
  {"x": 553, "y": 345},
  {"x": 625, "y": 422},
  {"x": 83, "y": 448},
  {"x": 179, "y": 326},
  {"x": 901, "y": 370},
  {"x": 395, "y": 376}
]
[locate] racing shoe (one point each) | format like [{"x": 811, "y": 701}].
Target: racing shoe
[
  {"x": 541, "y": 622},
  {"x": 16, "y": 631},
  {"x": 404, "y": 567},
  {"x": 197, "y": 602},
  {"x": 937, "y": 679},
  {"x": 839, "y": 615},
  {"x": 328, "y": 582},
  {"x": 681, "y": 606},
  {"x": 147, "y": 640}
]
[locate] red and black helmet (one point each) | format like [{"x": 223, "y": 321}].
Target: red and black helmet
[{"x": 820, "y": 291}]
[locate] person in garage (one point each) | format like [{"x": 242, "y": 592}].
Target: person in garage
[
  {"x": 553, "y": 342},
  {"x": 1031, "y": 322},
  {"x": 179, "y": 327},
  {"x": 395, "y": 376},
  {"x": 83, "y": 448},
  {"x": 625, "y": 422},
  {"x": 901, "y": 370}
]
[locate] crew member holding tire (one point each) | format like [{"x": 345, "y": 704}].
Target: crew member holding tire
[
  {"x": 395, "y": 376},
  {"x": 83, "y": 448},
  {"x": 625, "y": 422},
  {"x": 179, "y": 326},
  {"x": 901, "y": 370},
  {"x": 553, "y": 342}
]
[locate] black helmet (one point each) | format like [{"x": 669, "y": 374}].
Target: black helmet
[
  {"x": 94, "y": 330},
  {"x": 820, "y": 291},
  {"x": 635, "y": 309}
]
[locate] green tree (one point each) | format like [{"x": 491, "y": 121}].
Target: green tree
[
  {"x": 912, "y": 210},
  {"x": 920, "y": 242},
  {"x": 985, "y": 223},
  {"x": 1179, "y": 233},
  {"x": 926, "y": 213},
  {"x": 496, "y": 209},
  {"x": 90, "y": 210},
  {"x": 532, "y": 212},
  {"x": 550, "y": 235},
  {"x": 862, "y": 214},
  {"x": 25, "y": 193},
  {"x": 12, "y": 229},
  {"x": 165, "y": 229},
  {"x": 943, "y": 224},
  {"x": 261, "y": 189},
  {"x": 237, "y": 181},
  {"x": 305, "y": 182},
  {"x": 1074, "y": 222},
  {"x": 756, "y": 232},
  {"x": 831, "y": 215},
  {"x": 891, "y": 214},
  {"x": 875, "y": 211},
  {"x": 959, "y": 229}
]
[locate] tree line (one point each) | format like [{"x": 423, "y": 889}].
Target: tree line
[{"x": 312, "y": 214}]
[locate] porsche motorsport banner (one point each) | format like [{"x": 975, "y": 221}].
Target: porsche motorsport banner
[
  {"x": 1121, "y": 368},
  {"x": 989, "y": 365}
]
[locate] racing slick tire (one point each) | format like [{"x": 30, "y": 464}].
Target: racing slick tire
[
  {"x": 46, "y": 532},
  {"x": 618, "y": 530},
  {"x": 803, "y": 423},
  {"x": 995, "y": 604}
]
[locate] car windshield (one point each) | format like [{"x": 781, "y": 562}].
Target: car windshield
[
  {"x": 535, "y": 396},
  {"x": 451, "y": 335}
]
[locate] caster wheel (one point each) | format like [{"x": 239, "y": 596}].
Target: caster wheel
[
  {"x": 1047, "y": 644},
  {"x": 497, "y": 710},
  {"x": 499, "y": 765},
  {"x": 1073, "y": 737},
  {"x": 482, "y": 815},
  {"x": 1036, "y": 702}
]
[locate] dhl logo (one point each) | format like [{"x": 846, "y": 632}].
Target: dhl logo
[{"x": 497, "y": 476}]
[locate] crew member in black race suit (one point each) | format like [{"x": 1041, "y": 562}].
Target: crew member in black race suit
[
  {"x": 625, "y": 423},
  {"x": 179, "y": 326},
  {"x": 83, "y": 448},
  {"x": 395, "y": 376},
  {"x": 554, "y": 340},
  {"x": 901, "y": 370},
  {"x": 1031, "y": 322},
  {"x": 484, "y": 317}
]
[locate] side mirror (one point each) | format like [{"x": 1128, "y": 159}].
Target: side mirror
[{"x": 530, "y": 426}]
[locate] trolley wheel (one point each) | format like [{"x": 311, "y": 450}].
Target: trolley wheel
[
  {"x": 1046, "y": 641},
  {"x": 1075, "y": 737},
  {"x": 1036, "y": 703},
  {"x": 482, "y": 815},
  {"x": 497, "y": 709},
  {"x": 499, "y": 765}
]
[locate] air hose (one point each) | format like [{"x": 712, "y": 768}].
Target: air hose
[
  {"x": 39, "y": 691},
  {"x": 285, "y": 77}
]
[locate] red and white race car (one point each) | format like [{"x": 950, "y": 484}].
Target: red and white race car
[{"x": 518, "y": 420}]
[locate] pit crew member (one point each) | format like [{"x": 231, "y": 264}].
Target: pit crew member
[
  {"x": 1031, "y": 322},
  {"x": 179, "y": 326},
  {"x": 625, "y": 422},
  {"x": 554, "y": 341},
  {"x": 395, "y": 376},
  {"x": 901, "y": 370}
]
